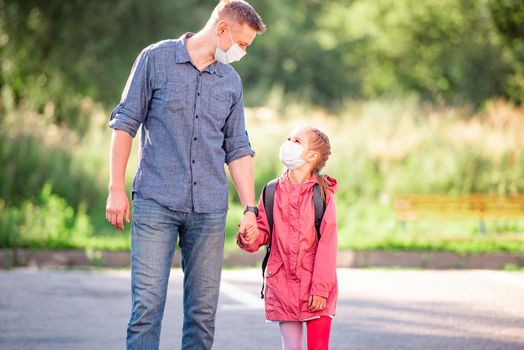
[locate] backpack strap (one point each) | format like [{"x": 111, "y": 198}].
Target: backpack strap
[
  {"x": 268, "y": 197},
  {"x": 320, "y": 208}
]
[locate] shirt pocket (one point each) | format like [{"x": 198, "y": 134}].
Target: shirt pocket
[
  {"x": 175, "y": 96},
  {"x": 219, "y": 103}
]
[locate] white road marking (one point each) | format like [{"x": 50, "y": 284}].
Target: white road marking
[
  {"x": 515, "y": 278},
  {"x": 246, "y": 301}
]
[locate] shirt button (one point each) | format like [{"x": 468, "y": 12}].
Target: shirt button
[
  {"x": 195, "y": 139},
  {"x": 198, "y": 93},
  {"x": 193, "y": 162},
  {"x": 194, "y": 183},
  {"x": 197, "y": 116}
]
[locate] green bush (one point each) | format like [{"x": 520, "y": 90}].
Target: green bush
[
  {"x": 55, "y": 53},
  {"x": 49, "y": 222},
  {"x": 380, "y": 149},
  {"x": 34, "y": 152}
]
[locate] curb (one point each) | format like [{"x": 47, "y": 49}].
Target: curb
[{"x": 428, "y": 260}]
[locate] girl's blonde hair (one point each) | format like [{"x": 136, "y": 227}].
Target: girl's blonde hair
[{"x": 319, "y": 142}]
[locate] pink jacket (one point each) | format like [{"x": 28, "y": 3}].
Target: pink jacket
[{"x": 299, "y": 265}]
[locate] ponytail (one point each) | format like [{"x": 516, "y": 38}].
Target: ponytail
[
  {"x": 323, "y": 184},
  {"x": 319, "y": 142}
]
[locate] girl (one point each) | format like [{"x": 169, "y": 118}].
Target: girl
[{"x": 301, "y": 280}]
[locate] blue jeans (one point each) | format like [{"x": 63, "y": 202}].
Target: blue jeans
[{"x": 154, "y": 233}]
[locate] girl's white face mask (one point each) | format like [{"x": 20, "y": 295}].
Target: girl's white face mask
[
  {"x": 290, "y": 155},
  {"x": 233, "y": 54}
]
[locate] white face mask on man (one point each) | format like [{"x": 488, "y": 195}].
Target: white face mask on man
[
  {"x": 233, "y": 54},
  {"x": 290, "y": 153}
]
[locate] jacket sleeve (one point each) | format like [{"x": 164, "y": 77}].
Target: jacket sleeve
[
  {"x": 324, "y": 271},
  {"x": 263, "y": 229}
]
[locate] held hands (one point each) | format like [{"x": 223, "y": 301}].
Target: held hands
[
  {"x": 249, "y": 219},
  {"x": 249, "y": 235},
  {"x": 248, "y": 230},
  {"x": 316, "y": 303}
]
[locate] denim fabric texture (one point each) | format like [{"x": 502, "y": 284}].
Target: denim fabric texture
[
  {"x": 155, "y": 233},
  {"x": 192, "y": 124}
]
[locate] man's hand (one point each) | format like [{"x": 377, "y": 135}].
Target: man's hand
[
  {"x": 249, "y": 236},
  {"x": 316, "y": 303},
  {"x": 249, "y": 219},
  {"x": 117, "y": 207}
]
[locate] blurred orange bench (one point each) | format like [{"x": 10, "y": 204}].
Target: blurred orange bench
[{"x": 479, "y": 206}]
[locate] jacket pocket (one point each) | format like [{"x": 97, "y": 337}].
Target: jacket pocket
[
  {"x": 272, "y": 269},
  {"x": 276, "y": 288},
  {"x": 308, "y": 263}
]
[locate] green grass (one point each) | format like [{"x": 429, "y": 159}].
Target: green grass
[
  {"x": 366, "y": 225},
  {"x": 371, "y": 225},
  {"x": 514, "y": 268},
  {"x": 380, "y": 149}
]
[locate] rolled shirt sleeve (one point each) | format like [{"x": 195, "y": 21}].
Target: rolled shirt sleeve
[
  {"x": 236, "y": 139},
  {"x": 133, "y": 106}
]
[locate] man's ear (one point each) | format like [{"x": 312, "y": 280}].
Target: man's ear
[{"x": 221, "y": 27}]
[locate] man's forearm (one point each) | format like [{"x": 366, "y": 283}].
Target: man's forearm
[
  {"x": 121, "y": 143},
  {"x": 242, "y": 174}
]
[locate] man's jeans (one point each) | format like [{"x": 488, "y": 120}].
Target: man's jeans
[{"x": 154, "y": 233}]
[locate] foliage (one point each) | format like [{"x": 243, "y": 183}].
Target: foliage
[
  {"x": 54, "y": 53},
  {"x": 49, "y": 222},
  {"x": 417, "y": 97}
]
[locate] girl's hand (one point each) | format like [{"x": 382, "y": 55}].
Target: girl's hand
[
  {"x": 317, "y": 303},
  {"x": 250, "y": 235},
  {"x": 249, "y": 219}
]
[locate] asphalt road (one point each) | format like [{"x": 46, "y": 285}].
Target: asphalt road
[{"x": 378, "y": 309}]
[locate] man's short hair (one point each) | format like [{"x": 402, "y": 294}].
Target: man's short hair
[{"x": 239, "y": 11}]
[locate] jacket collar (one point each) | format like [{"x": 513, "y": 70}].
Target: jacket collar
[{"x": 305, "y": 186}]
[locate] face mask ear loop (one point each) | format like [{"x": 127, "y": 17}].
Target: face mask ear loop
[{"x": 231, "y": 37}]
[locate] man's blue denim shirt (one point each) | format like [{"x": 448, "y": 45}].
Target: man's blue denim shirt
[{"x": 192, "y": 123}]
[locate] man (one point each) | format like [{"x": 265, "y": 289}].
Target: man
[{"x": 189, "y": 102}]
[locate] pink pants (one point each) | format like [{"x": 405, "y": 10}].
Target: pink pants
[{"x": 317, "y": 334}]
